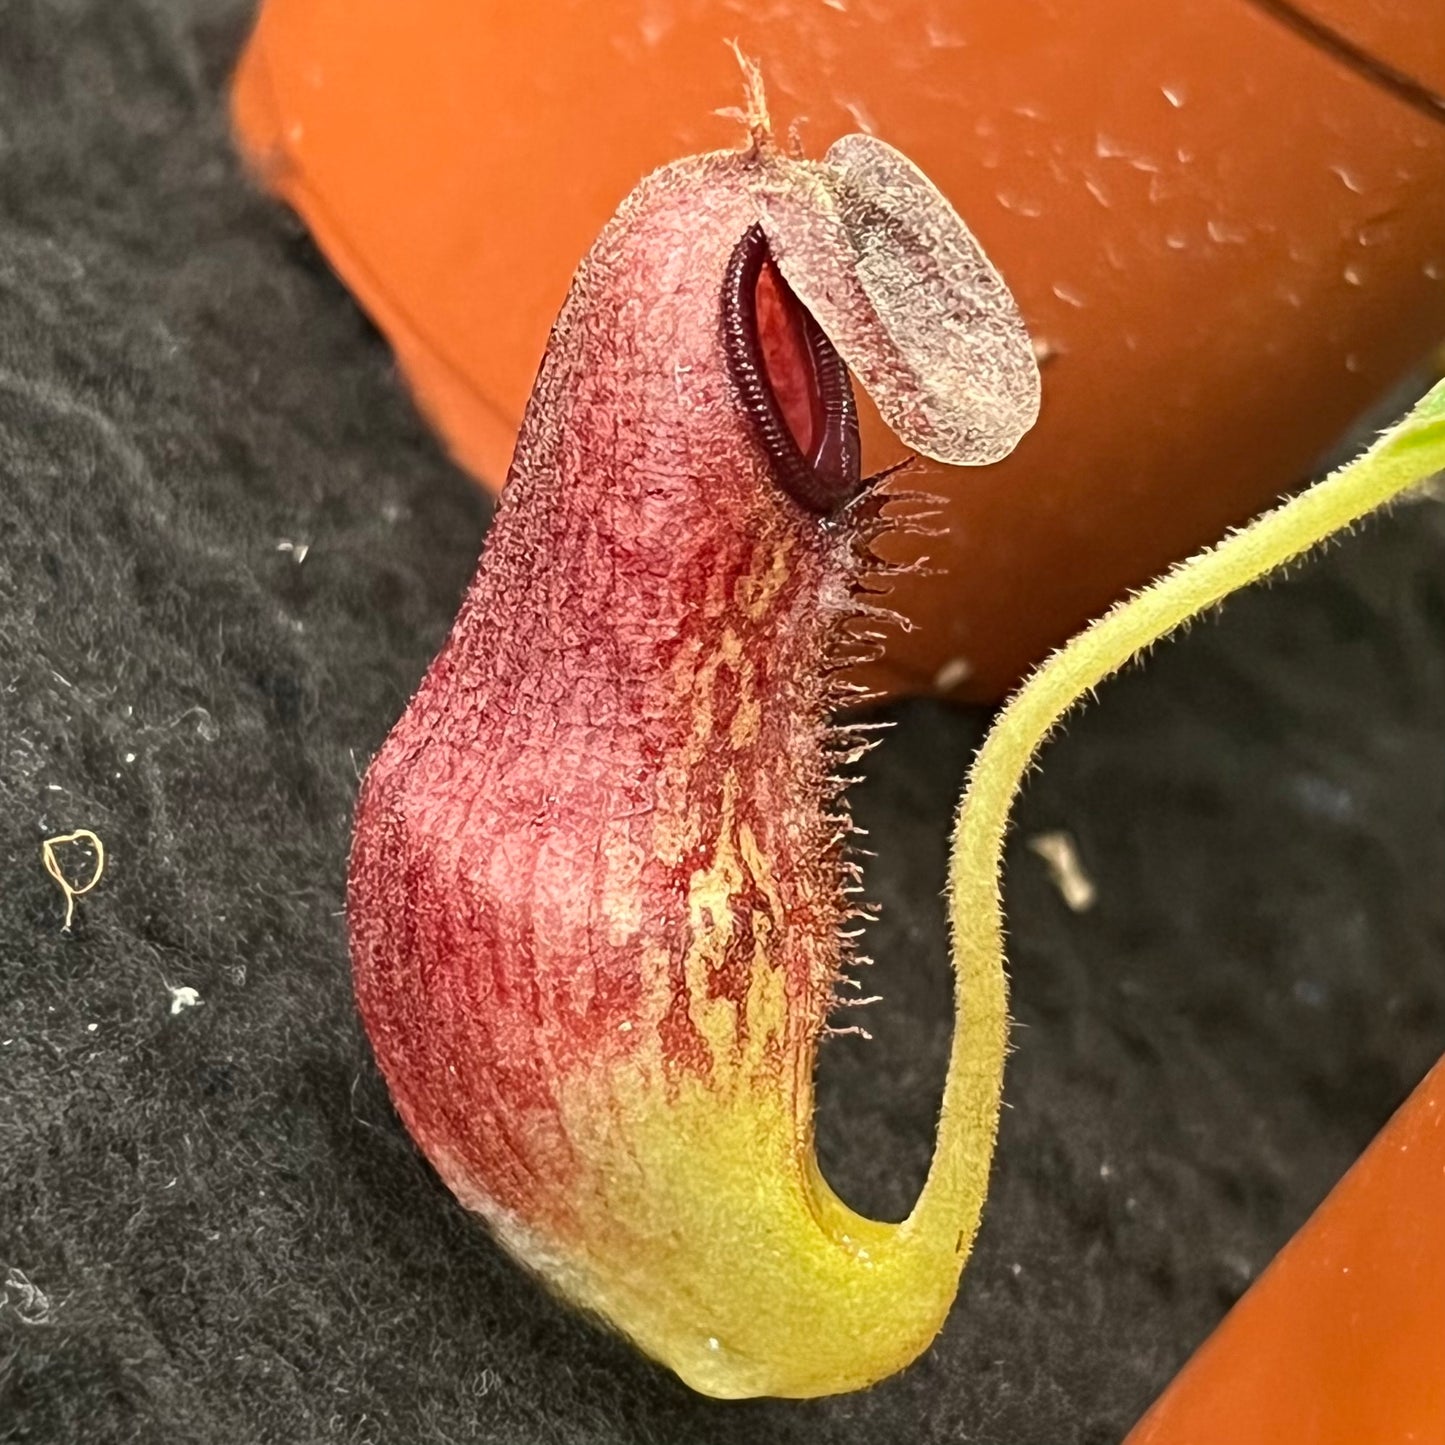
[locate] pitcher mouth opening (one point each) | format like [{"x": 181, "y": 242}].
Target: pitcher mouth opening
[{"x": 790, "y": 380}]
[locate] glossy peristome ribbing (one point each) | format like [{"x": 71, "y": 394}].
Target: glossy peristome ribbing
[
  {"x": 827, "y": 475},
  {"x": 597, "y": 884}
]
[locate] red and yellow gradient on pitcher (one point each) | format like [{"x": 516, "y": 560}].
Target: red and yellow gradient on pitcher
[{"x": 599, "y": 880}]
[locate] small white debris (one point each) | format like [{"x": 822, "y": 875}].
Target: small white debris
[
  {"x": 954, "y": 673},
  {"x": 625, "y": 1027},
  {"x": 29, "y": 1302},
  {"x": 183, "y": 997},
  {"x": 1062, "y": 859},
  {"x": 298, "y": 550},
  {"x": 713, "y": 1343},
  {"x": 862, "y": 117},
  {"x": 1222, "y": 233},
  {"x": 91, "y": 1028},
  {"x": 1349, "y": 180}
]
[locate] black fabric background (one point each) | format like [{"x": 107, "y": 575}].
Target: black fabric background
[{"x": 212, "y": 1228}]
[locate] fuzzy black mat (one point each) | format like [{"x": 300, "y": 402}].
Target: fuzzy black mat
[{"x": 212, "y": 1228}]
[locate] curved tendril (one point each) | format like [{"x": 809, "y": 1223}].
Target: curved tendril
[{"x": 1406, "y": 455}]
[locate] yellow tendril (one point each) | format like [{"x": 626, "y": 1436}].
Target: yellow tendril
[{"x": 1408, "y": 454}]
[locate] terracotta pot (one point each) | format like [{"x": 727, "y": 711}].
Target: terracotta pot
[
  {"x": 1339, "y": 1341},
  {"x": 1226, "y": 229}
]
